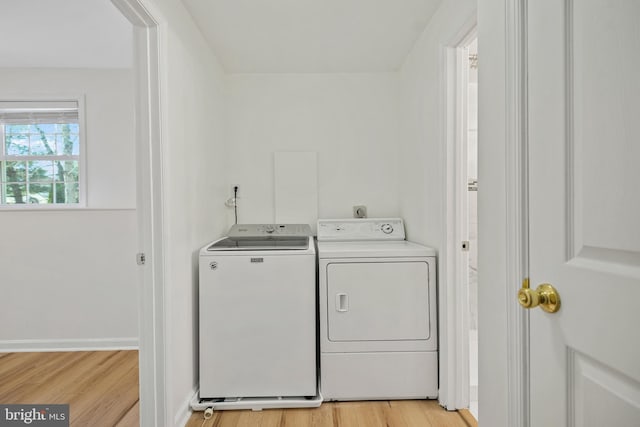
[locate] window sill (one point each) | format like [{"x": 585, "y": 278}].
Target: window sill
[{"x": 47, "y": 208}]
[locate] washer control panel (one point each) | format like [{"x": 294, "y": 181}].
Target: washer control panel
[
  {"x": 360, "y": 229},
  {"x": 239, "y": 231}
]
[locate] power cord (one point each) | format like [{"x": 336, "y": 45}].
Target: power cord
[{"x": 235, "y": 202}]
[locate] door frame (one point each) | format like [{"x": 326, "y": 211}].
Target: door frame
[
  {"x": 148, "y": 65},
  {"x": 453, "y": 299}
]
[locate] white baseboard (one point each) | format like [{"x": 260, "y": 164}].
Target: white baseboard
[
  {"x": 473, "y": 393},
  {"x": 184, "y": 411},
  {"x": 88, "y": 344}
]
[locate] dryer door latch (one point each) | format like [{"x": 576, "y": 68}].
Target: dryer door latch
[{"x": 342, "y": 302}]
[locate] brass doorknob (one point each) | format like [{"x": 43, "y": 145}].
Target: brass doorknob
[{"x": 544, "y": 296}]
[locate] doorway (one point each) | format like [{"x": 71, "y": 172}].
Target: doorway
[
  {"x": 472, "y": 219},
  {"x": 461, "y": 254},
  {"x": 84, "y": 125}
]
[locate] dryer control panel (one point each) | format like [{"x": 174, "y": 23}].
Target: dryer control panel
[{"x": 361, "y": 229}]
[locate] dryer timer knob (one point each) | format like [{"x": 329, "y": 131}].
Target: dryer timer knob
[{"x": 387, "y": 228}]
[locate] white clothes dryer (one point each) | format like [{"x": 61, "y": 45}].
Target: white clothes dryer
[{"x": 378, "y": 317}]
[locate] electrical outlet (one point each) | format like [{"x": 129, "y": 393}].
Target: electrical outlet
[{"x": 360, "y": 211}]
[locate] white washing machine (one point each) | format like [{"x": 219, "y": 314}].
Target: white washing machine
[
  {"x": 258, "y": 317},
  {"x": 378, "y": 319}
]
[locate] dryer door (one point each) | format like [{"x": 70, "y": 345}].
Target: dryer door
[{"x": 378, "y": 301}]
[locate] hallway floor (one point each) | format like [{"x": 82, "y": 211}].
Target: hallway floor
[{"x": 101, "y": 387}]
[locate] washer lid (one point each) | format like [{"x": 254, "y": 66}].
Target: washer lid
[
  {"x": 255, "y": 244},
  {"x": 373, "y": 249}
]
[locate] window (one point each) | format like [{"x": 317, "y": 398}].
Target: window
[{"x": 40, "y": 162}]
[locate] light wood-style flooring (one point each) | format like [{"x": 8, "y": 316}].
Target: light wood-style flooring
[
  {"x": 395, "y": 413},
  {"x": 101, "y": 388}
]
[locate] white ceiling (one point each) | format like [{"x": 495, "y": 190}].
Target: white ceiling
[
  {"x": 64, "y": 33},
  {"x": 248, "y": 36},
  {"x": 304, "y": 36}
]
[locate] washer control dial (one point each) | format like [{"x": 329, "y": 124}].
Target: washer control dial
[{"x": 387, "y": 228}]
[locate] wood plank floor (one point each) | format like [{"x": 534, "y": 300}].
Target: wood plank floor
[
  {"x": 395, "y": 413},
  {"x": 101, "y": 387}
]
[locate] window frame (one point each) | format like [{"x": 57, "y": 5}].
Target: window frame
[{"x": 81, "y": 158}]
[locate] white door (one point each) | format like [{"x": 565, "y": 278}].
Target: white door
[{"x": 584, "y": 203}]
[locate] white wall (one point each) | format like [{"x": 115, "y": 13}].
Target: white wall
[
  {"x": 422, "y": 179},
  {"x": 68, "y": 280},
  {"x": 64, "y": 34},
  {"x": 194, "y": 187},
  {"x": 68, "y": 277},
  {"x": 422, "y": 185},
  {"x": 350, "y": 120}
]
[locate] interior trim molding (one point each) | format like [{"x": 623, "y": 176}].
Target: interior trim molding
[
  {"x": 574, "y": 220},
  {"x": 571, "y": 389},
  {"x": 453, "y": 295},
  {"x": 184, "y": 412},
  {"x": 82, "y": 344},
  {"x": 149, "y": 46}
]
